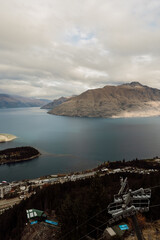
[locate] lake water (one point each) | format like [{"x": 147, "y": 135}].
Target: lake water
[{"x": 74, "y": 144}]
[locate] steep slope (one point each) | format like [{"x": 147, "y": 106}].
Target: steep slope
[
  {"x": 55, "y": 103},
  {"x": 9, "y": 101},
  {"x": 126, "y": 100}
]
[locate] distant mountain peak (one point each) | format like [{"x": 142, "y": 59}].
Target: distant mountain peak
[{"x": 133, "y": 84}]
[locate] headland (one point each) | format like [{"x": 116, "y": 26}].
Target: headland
[
  {"x": 18, "y": 154},
  {"x": 4, "y": 137}
]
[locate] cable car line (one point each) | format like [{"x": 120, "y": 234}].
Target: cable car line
[
  {"x": 76, "y": 228},
  {"x": 158, "y": 205},
  {"x": 93, "y": 230},
  {"x": 83, "y": 224}
]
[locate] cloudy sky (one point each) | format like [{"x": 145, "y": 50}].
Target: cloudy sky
[{"x": 53, "y": 48}]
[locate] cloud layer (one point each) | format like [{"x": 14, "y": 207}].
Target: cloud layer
[{"x": 56, "y": 48}]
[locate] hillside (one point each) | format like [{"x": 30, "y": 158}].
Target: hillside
[
  {"x": 127, "y": 100},
  {"x": 74, "y": 203},
  {"x": 55, "y": 103},
  {"x": 9, "y": 101}
]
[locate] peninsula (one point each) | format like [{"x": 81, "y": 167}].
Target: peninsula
[
  {"x": 18, "y": 154},
  {"x": 4, "y": 137},
  {"x": 126, "y": 100}
]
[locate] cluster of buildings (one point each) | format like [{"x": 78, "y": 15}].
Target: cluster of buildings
[
  {"x": 128, "y": 170},
  {"x": 13, "y": 188},
  {"x": 61, "y": 178},
  {"x": 23, "y": 189}
]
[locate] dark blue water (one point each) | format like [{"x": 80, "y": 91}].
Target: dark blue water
[{"x": 74, "y": 144}]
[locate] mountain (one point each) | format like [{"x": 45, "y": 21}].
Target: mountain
[
  {"x": 11, "y": 101},
  {"x": 127, "y": 100},
  {"x": 55, "y": 103}
]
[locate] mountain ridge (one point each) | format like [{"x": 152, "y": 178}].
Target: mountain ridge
[
  {"x": 110, "y": 101},
  {"x": 55, "y": 103}
]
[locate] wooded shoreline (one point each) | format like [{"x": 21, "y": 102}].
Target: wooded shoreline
[{"x": 18, "y": 154}]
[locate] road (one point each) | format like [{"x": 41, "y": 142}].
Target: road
[{"x": 9, "y": 202}]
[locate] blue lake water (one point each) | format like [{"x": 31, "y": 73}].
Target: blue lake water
[{"x": 74, "y": 144}]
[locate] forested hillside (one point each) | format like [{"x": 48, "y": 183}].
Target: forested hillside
[{"x": 76, "y": 202}]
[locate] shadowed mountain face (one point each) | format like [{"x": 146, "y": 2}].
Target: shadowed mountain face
[
  {"x": 55, "y": 103},
  {"x": 9, "y": 101},
  {"x": 127, "y": 100}
]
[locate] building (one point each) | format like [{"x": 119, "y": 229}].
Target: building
[{"x": 4, "y": 189}]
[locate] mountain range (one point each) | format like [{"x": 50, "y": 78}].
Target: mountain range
[
  {"x": 126, "y": 100},
  {"x": 13, "y": 101}
]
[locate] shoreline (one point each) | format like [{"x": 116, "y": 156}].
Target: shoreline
[
  {"x": 18, "y": 154},
  {"x": 4, "y": 137},
  {"x": 148, "y": 163},
  {"x": 20, "y": 160}
]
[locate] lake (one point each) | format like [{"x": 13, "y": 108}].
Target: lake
[{"x": 74, "y": 144}]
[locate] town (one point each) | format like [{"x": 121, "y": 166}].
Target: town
[{"x": 12, "y": 193}]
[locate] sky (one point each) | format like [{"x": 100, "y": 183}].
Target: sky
[{"x": 54, "y": 48}]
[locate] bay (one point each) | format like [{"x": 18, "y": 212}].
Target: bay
[{"x": 74, "y": 144}]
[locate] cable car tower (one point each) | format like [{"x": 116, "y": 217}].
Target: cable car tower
[{"x": 127, "y": 203}]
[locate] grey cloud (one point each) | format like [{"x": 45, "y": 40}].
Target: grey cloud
[{"x": 55, "y": 47}]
